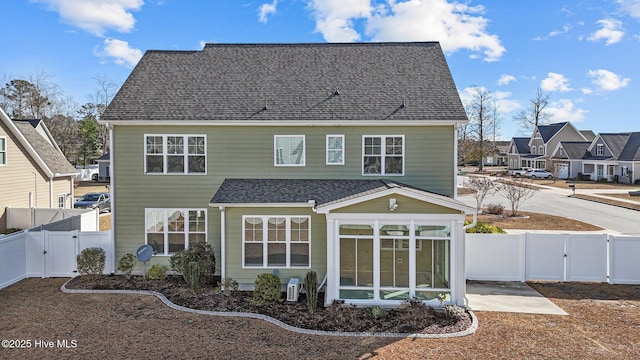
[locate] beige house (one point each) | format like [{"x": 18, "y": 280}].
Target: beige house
[{"x": 33, "y": 170}]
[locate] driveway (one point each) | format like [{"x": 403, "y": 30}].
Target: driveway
[{"x": 508, "y": 296}]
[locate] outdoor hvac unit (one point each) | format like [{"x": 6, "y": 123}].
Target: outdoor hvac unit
[{"x": 293, "y": 289}]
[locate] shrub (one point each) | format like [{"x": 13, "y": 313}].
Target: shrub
[
  {"x": 194, "y": 275},
  {"x": 126, "y": 264},
  {"x": 267, "y": 289},
  {"x": 603, "y": 180},
  {"x": 202, "y": 253},
  {"x": 377, "y": 312},
  {"x": 91, "y": 261},
  {"x": 11, "y": 230},
  {"x": 228, "y": 286},
  {"x": 484, "y": 228},
  {"x": 311, "y": 289},
  {"x": 494, "y": 209},
  {"x": 157, "y": 272}
]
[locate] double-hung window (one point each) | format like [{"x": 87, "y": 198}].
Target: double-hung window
[
  {"x": 3, "y": 151},
  {"x": 172, "y": 230},
  {"x": 383, "y": 155},
  {"x": 276, "y": 241},
  {"x": 288, "y": 150},
  {"x": 335, "y": 149},
  {"x": 599, "y": 150},
  {"x": 175, "y": 154}
]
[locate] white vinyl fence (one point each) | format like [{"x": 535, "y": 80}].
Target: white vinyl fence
[
  {"x": 49, "y": 253},
  {"x": 558, "y": 257}
]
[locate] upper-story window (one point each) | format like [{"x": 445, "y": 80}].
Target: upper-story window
[
  {"x": 3, "y": 151},
  {"x": 599, "y": 149},
  {"x": 383, "y": 155},
  {"x": 288, "y": 150},
  {"x": 175, "y": 154},
  {"x": 537, "y": 134},
  {"x": 561, "y": 151},
  {"x": 533, "y": 150},
  {"x": 540, "y": 150},
  {"x": 335, "y": 149}
]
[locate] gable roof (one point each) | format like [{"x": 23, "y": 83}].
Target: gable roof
[
  {"x": 310, "y": 192},
  {"x": 588, "y": 134},
  {"x": 548, "y": 131},
  {"x": 323, "y": 82},
  {"x": 631, "y": 151},
  {"x": 522, "y": 144},
  {"x": 623, "y": 146},
  {"x": 574, "y": 149}
]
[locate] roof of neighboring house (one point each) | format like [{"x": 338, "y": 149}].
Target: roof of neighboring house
[
  {"x": 575, "y": 149},
  {"x": 522, "y": 144},
  {"x": 291, "y": 82},
  {"x": 105, "y": 157},
  {"x": 631, "y": 151},
  {"x": 548, "y": 131},
  {"x": 53, "y": 159},
  {"x": 502, "y": 146},
  {"x": 302, "y": 191},
  {"x": 588, "y": 134},
  {"x": 623, "y": 146}
]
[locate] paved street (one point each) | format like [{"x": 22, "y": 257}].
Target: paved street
[{"x": 558, "y": 202}]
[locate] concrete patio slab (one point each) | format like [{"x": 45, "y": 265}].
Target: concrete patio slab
[{"x": 516, "y": 297}]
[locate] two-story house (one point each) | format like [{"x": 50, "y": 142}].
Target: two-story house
[
  {"x": 33, "y": 170},
  {"x": 535, "y": 151},
  {"x": 614, "y": 157},
  {"x": 337, "y": 158}
]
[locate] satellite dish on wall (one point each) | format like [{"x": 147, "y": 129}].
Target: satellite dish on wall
[{"x": 144, "y": 253}]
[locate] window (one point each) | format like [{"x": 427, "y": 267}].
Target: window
[
  {"x": 276, "y": 241},
  {"x": 624, "y": 171},
  {"x": 561, "y": 151},
  {"x": 540, "y": 150},
  {"x": 175, "y": 154},
  {"x": 533, "y": 150},
  {"x": 171, "y": 230},
  {"x": 335, "y": 149},
  {"x": 62, "y": 200},
  {"x": 599, "y": 150},
  {"x": 288, "y": 150},
  {"x": 3, "y": 151},
  {"x": 383, "y": 155}
]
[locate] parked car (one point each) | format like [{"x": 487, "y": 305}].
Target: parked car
[
  {"x": 100, "y": 200},
  {"x": 518, "y": 172},
  {"x": 538, "y": 174}
]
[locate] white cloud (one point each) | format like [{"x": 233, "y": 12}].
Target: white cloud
[
  {"x": 121, "y": 52},
  {"x": 607, "y": 80},
  {"x": 630, "y": 7},
  {"x": 555, "y": 82},
  {"x": 265, "y": 10},
  {"x": 455, "y": 25},
  {"x": 565, "y": 29},
  {"x": 587, "y": 91},
  {"x": 565, "y": 110},
  {"x": 611, "y": 31},
  {"x": 97, "y": 16},
  {"x": 505, "y": 79},
  {"x": 504, "y": 103}
]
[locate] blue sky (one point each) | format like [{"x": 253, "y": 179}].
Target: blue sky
[{"x": 585, "y": 53}]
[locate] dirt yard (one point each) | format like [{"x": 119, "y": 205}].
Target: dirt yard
[{"x": 603, "y": 323}]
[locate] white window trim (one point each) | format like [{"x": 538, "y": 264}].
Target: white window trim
[
  {"x": 327, "y": 150},
  {"x": 4, "y": 151},
  {"x": 64, "y": 201},
  {"x": 534, "y": 150},
  {"x": 599, "y": 150},
  {"x": 165, "y": 154},
  {"x": 265, "y": 242},
  {"x": 383, "y": 154},
  {"x": 540, "y": 150},
  {"x": 166, "y": 211},
  {"x": 275, "y": 150}
]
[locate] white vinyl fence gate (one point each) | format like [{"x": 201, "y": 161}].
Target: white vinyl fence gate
[{"x": 557, "y": 257}]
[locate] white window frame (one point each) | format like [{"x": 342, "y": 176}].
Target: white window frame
[
  {"x": 599, "y": 150},
  {"x": 540, "y": 150},
  {"x": 276, "y": 155},
  {"x": 341, "y": 150},
  {"x": 165, "y": 232},
  {"x": 62, "y": 197},
  {"x": 3, "y": 151},
  {"x": 533, "y": 150},
  {"x": 265, "y": 241},
  {"x": 165, "y": 154},
  {"x": 383, "y": 154},
  {"x": 624, "y": 171}
]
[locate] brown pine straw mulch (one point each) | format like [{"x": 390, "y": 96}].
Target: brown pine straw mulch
[{"x": 603, "y": 323}]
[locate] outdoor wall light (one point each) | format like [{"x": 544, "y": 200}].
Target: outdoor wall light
[{"x": 393, "y": 204}]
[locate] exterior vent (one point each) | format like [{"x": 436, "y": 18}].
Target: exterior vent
[{"x": 293, "y": 289}]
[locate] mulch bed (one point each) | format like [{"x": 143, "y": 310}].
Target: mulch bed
[{"x": 412, "y": 317}]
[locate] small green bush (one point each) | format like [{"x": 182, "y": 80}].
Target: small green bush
[
  {"x": 157, "y": 272},
  {"x": 11, "y": 230},
  {"x": 202, "y": 253},
  {"x": 267, "y": 289},
  {"x": 377, "y": 312},
  {"x": 311, "y": 288},
  {"x": 484, "y": 228},
  {"x": 91, "y": 261},
  {"x": 126, "y": 264},
  {"x": 228, "y": 286}
]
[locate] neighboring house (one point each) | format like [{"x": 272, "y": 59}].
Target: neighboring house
[
  {"x": 614, "y": 157},
  {"x": 498, "y": 155},
  {"x": 104, "y": 163},
  {"x": 567, "y": 158},
  {"x": 545, "y": 139},
  {"x": 33, "y": 170},
  {"x": 286, "y": 158}
]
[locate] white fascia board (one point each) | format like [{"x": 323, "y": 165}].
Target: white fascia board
[
  {"x": 284, "y": 123},
  {"x": 395, "y": 217},
  {"x": 309, "y": 204}
]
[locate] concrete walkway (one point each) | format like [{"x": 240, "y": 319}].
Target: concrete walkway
[{"x": 516, "y": 297}]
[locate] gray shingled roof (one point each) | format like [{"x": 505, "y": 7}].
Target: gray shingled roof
[
  {"x": 289, "y": 191},
  {"x": 575, "y": 149},
  {"x": 291, "y": 82},
  {"x": 623, "y": 146},
  {"x": 522, "y": 144},
  {"x": 589, "y": 134},
  {"x": 548, "y": 131},
  {"x": 53, "y": 159},
  {"x": 631, "y": 151}
]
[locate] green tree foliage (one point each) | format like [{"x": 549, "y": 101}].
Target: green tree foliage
[{"x": 88, "y": 135}]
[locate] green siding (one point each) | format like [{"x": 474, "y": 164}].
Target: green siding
[
  {"x": 405, "y": 206},
  {"x": 247, "y": 152}
]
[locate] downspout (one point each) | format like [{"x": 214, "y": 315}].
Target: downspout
[
  {"x": 455, "y": 162},
  {"x": 51, "y": 193},
  {"x": 464, "y": 245},
  {"x": 112, "y": 189},
  {"x": 222, "y": 243}
]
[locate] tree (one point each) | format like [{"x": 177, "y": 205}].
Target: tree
[
  {"x": 483, "y": 186},
  {"x": 482, "y": 119},
  {"x": 516, "y": 193},
  {"x": 32, "y": 98},
  {"x": 107, "y": 89},
  {"x": 534, "y": 115},
  {"x": 88, "y": 134}
]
